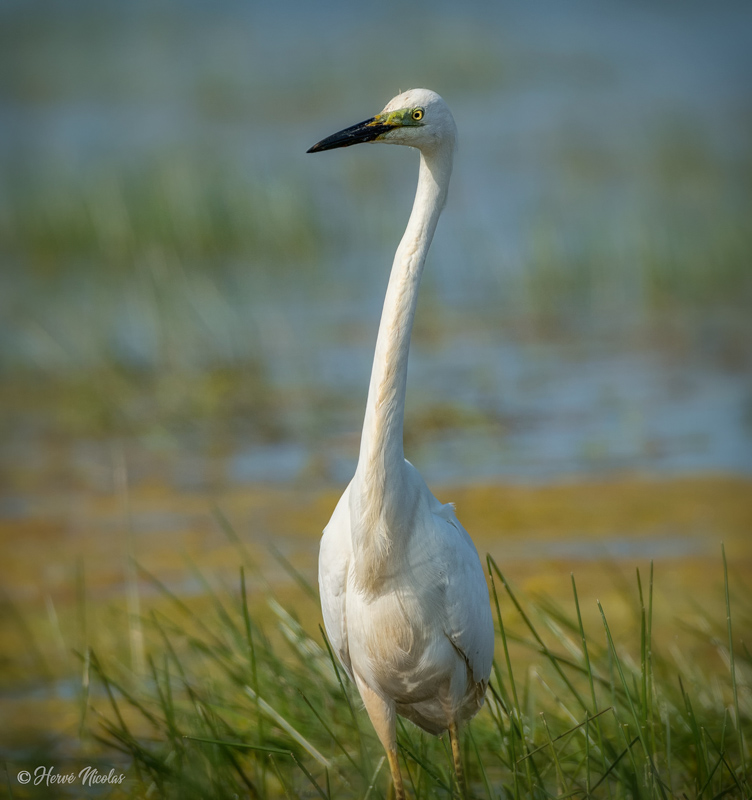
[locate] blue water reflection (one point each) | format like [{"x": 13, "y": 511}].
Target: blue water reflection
[{"x": 571, "y": 118}]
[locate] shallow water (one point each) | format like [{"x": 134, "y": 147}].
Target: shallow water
[
  {"x": 542, "y": 412},
  {"x": 569, "y": 121}
]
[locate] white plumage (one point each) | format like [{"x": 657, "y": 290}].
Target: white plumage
[{"x": 403, "y": 593}]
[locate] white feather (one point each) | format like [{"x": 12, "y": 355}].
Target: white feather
[{"x": 403, "y": 592}]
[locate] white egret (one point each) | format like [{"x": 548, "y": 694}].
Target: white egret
[{"x": 403, "y": 593}]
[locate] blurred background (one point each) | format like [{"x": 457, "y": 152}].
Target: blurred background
[{"x": 189, "y": 302}]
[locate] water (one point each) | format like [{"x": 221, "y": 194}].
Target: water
[
  {"x": 566, "y": 118},
  {"x": 544, "y": 413}
]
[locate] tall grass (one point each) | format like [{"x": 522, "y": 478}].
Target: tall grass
[
  {"x": 230, "y": 707},
  {"x": 189, "y": 206}
]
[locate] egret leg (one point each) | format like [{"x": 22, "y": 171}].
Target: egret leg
[
  {"x": 398, "y": 788},
  {"x": 454, "y": 737},
  {"x": 382, "y": 714}
]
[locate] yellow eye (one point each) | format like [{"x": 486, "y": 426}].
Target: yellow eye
[{"x": 417, "y": 115}]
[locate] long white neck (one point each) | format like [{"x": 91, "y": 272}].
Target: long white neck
[{"x": 379, "y": 478}]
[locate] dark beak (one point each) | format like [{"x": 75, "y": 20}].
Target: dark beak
[{"x": 365, "y": 131}]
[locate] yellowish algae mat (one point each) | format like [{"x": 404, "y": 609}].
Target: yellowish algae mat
[{"x": 69, "y": 582}]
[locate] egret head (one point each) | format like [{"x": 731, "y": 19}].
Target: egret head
[{"x": 416, "y": 118}]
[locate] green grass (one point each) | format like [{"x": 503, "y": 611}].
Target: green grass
[
  {"x": 230, "y": 706},
  {"x": 692, "y": 265},
  {"x": 189, "y": 206}
]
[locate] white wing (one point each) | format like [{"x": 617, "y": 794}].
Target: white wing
[
  {"x": 334, "y": 562},
  {"x": 468, "y": 608}
]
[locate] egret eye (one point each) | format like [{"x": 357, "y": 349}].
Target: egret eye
[{"x": 417, "y": 115}]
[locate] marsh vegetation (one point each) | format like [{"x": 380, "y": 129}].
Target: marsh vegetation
[{"x": 187, "y": 314}]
